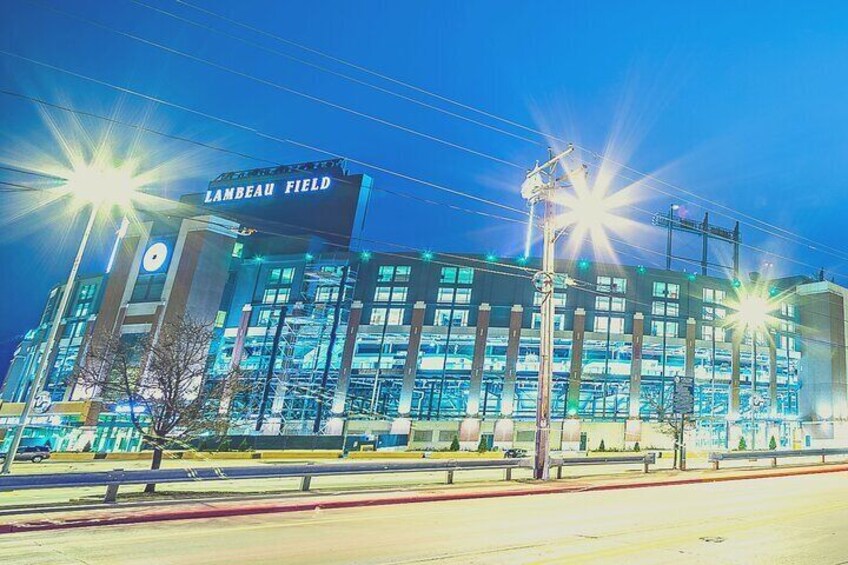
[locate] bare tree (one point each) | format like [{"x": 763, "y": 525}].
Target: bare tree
[
  {"x": 162, "y": 378},
  {"x": 670, "y": 424}
]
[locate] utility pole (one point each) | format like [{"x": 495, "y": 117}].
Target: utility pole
[{"x": 539, "y": 187}]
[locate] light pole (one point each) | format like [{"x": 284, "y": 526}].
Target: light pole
[
  {"x": 753, "y": 314},
  {"x": 99, "y": 187},
  {"x": 538, "y": 187}
]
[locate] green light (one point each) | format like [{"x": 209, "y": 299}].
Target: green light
[
  {"x": 521, "y": 260},
  {"x": 691, "y": 276},
  {"x": 737, "y": 283},
  {"x": 365, "y": 256},
  {"x": 258, "y": 259},
  {"x": 491, "y": 257},
  {"x": 309, "y": 257},
  {"x": 641, "y": 269},
  {"x": 427, "y": 256},
  {"x": 583, "y": 264},
  {"x": 773, "y": 291}
]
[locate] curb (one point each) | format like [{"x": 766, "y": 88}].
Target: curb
[{"x": 201, "y": 513}]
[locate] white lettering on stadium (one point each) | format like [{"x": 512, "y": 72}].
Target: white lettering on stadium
[{"x": 262, "y": 190}]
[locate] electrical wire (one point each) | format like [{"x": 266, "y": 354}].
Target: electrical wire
[{"x": 732, "y": 214}]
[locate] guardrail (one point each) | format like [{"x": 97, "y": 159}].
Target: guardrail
[
  {"x": 112, "y": 480},
  {"x": 716, "y": 458}
]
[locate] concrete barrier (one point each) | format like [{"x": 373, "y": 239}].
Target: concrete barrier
[
  {"x": 308, "y": 454},
  {"x": 385, "y": 455},
  {"x": 464, "y": 455},
  {"x": 135, "y": 456},
  {"x": 229, "y": 455},
  {"x": 72, "y": 456}
]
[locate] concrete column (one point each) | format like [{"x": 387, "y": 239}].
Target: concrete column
[
  {"x": 472, "y": 408},
  {"x": 235, "y": 362},
  {"x": 735, "y": 362},
  {"x": 636, "y": 364},
  {"x": 340, "y": 396},
  {"x": 690, "y": 348},
  {"x": 508, "y": 395},
  {"x": 504, "y": 426},
  {"x": 772, "y": 390},
  {"x": 571, "y": 426},
  {"x": 576, "y": 364},
  {"x": 410, "y": 370},
  {"x": 633, "y": 426}
]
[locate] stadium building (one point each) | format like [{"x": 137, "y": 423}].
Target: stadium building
[{"x": 418, "y": 348}]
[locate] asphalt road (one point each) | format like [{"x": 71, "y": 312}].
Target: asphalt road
[{"x": 783, "y": 520}]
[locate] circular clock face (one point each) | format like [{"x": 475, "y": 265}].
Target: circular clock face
[{"x": 155, "y": 257}]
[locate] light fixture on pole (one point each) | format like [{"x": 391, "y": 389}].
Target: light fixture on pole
[
  {"x": 99, "y": 187},
  {"x": 753, "y": 314}
]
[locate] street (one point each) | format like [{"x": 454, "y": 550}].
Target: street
[{"x": 787, "y": 520}]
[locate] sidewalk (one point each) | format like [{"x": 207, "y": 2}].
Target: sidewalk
[{"x": 313, "y": 501}]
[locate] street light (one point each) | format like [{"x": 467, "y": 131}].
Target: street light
[
  {"x": 99, "y": 186},
  {"x": 753, "y": 314}
]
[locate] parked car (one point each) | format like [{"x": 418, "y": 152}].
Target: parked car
[
  {"x": 515, "y": 453},
  {"x": 34, "y": 453}
]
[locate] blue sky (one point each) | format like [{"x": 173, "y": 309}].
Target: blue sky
[{"x": 741, "y": 105}]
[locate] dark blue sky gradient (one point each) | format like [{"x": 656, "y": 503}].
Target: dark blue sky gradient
[{"x": 744, "y": 106}]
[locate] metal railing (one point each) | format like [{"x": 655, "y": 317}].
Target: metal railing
[
  {"x": 113, "y": 480},
  {"x": 717, "y": 457}
]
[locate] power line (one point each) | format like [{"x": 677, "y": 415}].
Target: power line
[
  {"x": 781, "y": 232},
  {"x": 149, "y": 130},
  {"x": 316, "y": 99},
  {"x": 283, "y": 87},
  {"x": 285, "y": 141},
  {"x": 262, "y": 134},
  {"x": 321, "y": 68}
]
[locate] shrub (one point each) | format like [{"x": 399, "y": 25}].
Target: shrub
[
  {"x": 454, "y": 446},
  {"x": 772, "y": 443},
  {"x": 743, "y": 445},
  {"x": 602, "y": 446},
  {"x": 483, "y": 446},
  {"x": 636, "y": 447}
]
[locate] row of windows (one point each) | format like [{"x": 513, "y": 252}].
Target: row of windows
[
  {"x": 602, "y": 324},
  {"x": 401, "y": 274}
]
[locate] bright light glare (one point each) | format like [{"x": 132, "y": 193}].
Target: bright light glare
[
  {"x": 591, "y": 211},
  {"x": 101, "y": 184},
  {"x": 753, "y": 312}
]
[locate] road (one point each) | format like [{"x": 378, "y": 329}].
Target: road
[{"x": 799, "y": 520}]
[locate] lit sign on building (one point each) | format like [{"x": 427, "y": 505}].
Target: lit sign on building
[{"x": 251, "y": 191}]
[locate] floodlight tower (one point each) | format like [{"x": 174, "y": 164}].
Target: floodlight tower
[{"x": 539, "y": 186}]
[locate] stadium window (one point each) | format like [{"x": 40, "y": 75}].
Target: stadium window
[{"x": 615, "y": 325}]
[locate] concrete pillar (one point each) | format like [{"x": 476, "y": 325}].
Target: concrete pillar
[
  {"x": 633, "y": 426},
  {"x": 235, "y": 362},
  {"x": 735, "y": 369},
  {"x": 410, "y": 367},
  {"x": 472, "y": 407},
  {"x": 576, "y": 364},
  {"x": 636, "y": 364},
  {"x": 508, "y": 396},
  {"x": 690, "y": 348},
  {"x": 571, "y": 426},
  {"x": 504, "y": 426},
  {"x": 772, "y": 390},
  {"x": 340, "y": 396}
]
